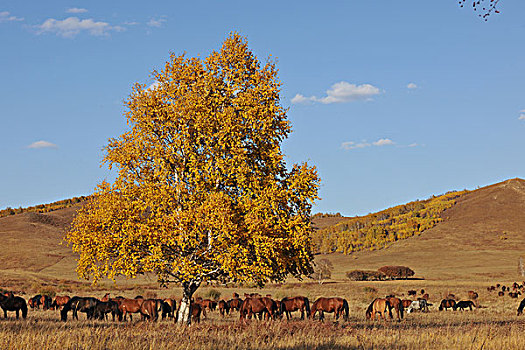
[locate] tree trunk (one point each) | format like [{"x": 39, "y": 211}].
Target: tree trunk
[{"x": 184, "y": 314}]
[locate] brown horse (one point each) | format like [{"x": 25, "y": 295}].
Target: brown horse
[
  {"x": 463, "y": 304},
  {"x": 105, "y": 297},
  {"x": 35, "y": 301},
  {"x": 235, "y": 304},
  {"x": 60, "y": 301},
  {"x": 288, "y": 305},
  {"x": 209, "y": 304},
  {"x": 168, "y": 308},
  {"x": 406, "y": 303},
  {"x": 259, "y": 306},
  {"x": 377, "y": 307},
  {"x": 521, "y": 307},
  {"x": 224, "y": 309},
  {"x": 149, "y": 309},
  {"x": 46, "y": 302},
  {"x": 104, "y": 307},
  {"x": 338, "y": 306},
  {"x": 12, "y": 303},
  {"x": 196, "y": 311},
  {"x": 129, "y": 306},
  {"x": 447, "y": 304},
  {"x": 397, "y": 305}
]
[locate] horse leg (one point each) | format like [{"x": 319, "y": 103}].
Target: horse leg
[{"x": 321, "y": 315}]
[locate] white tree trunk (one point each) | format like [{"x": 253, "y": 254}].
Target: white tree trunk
[{"x": 184, "y": 314}]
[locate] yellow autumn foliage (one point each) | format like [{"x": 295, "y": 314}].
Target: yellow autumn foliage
[
  {"x": 378, "y": 230},
  {"x": 203, "y": 192}
]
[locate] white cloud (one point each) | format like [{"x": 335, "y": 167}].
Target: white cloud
[
  {"x": 156, "y": 22},
  {"x": 522, "y": 117},
  {"x": 353, "y": 145},
  {"x": 383, "y": 142},
  {"x": 42, "y": 144},
  {"x": 414, "y": 145},
  {"x": 341, "y": 92},
  {"x": 76, "y": 10},
  {"x": 7, "y": 17},
  {"x": 412, "y": 86},
  {"x": 71, "y": 26}
]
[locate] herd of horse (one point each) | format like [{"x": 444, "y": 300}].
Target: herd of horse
[{"x": 253, "y": 305}]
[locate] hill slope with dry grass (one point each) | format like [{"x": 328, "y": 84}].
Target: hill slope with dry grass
[{"x": 481, "y": 237}]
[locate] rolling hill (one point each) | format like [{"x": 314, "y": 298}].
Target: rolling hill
[{"x": 481, "y": 237}]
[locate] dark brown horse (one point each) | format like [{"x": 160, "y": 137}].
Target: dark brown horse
[
  {"x": 35, "y": 301},
  {"x": 82, "y": 304},
  {"x": 288, "y": 305},
  {"x": 463, "y": 304},
  {"x": 521, "y": 307},
  {"x": 168, "y": 308},
  {"x": 104, "y": 307},
  {"x": 196, "y": 311},
  {"x": 397, "y": 305},
  {"x": 12, "y": 303},
  {"x": 224, "y": 309},
  {"x": 60, "y": 301},
  {"x": 446, "y": 304},
  {"x": 338, "y": 306},
  {"x": 260, "y": 306},
  {"x": 377, "y": 307}
]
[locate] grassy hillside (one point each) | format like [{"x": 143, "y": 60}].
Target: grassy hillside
[{"x": 479, "y": 237}]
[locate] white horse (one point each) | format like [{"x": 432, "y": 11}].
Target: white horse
[{"x": 418, "y": 305}]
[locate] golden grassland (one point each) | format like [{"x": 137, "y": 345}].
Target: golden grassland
[{"x": 492, "y": 326}]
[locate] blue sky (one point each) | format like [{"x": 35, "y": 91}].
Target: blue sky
[{"x": 392, "y": 101}]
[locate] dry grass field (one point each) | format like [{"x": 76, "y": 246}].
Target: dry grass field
[{"x": 478, "y": 244}]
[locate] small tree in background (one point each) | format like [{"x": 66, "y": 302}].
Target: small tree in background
[{"x": 322, "y": 270}]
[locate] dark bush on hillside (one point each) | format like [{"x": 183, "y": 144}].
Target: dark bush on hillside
[
  {"x": 397, "y": 272},
  {"x": 365, "y": 275}
]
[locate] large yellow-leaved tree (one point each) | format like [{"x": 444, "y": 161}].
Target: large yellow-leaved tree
[{"x": 203, "y": 192}]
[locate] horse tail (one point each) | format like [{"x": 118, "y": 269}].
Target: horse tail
[
  {"x": 282, "y": 307},
  {"x": 24, "y": 309},
  {"x": 401, "y": 309},
  {"x": 370, "y": 309},
  {"x": 345, "y": 309},
  {"x": 307, "y": 307}
]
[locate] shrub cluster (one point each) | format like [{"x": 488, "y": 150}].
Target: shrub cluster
[
  {"x": 365, "y": 275},
  {"x": 397, "y": 272}
]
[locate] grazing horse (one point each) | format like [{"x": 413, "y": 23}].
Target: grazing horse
[
  {"x": 223, "y": 308},
  {"x": 35, "y": 301},
  {"x": 149, "y": 309},
  {"x": 12, "y": 303},
  {"x": 235, "y": 304},
  {"x": 446, "y": 304},
  {"x": 82, "y": 304},
  {"x": 521, "y": 307},
  {"x": 130, "y": 306},
  {"x": 336, "y": 305},
  {"x": 418, "y": 305},
  {"x": 196, "y": 311},
  {"x": 46, "y": 302},
  {"x": 406, "y": 303},
  {"x": 168, "y": 308},
  {"x": 396, "y": 304},
  {"x": 60, "y": 301},
  {"x": 472, "y": 295},
  {"x": 463, "y": 304},
  {"x": 378, "y": 306},
  {"x": 288, "y": 305},
  {"x": 104, "y": 307},
  {"x": 258, "y": 305},
  {"x": 209, "y": 304},
  {"x": 412, "y": 292}
]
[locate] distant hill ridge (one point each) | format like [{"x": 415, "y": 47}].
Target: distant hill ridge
[
  {"x": 45, "y": 208},
  {"x": 381, "y": 229}
]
